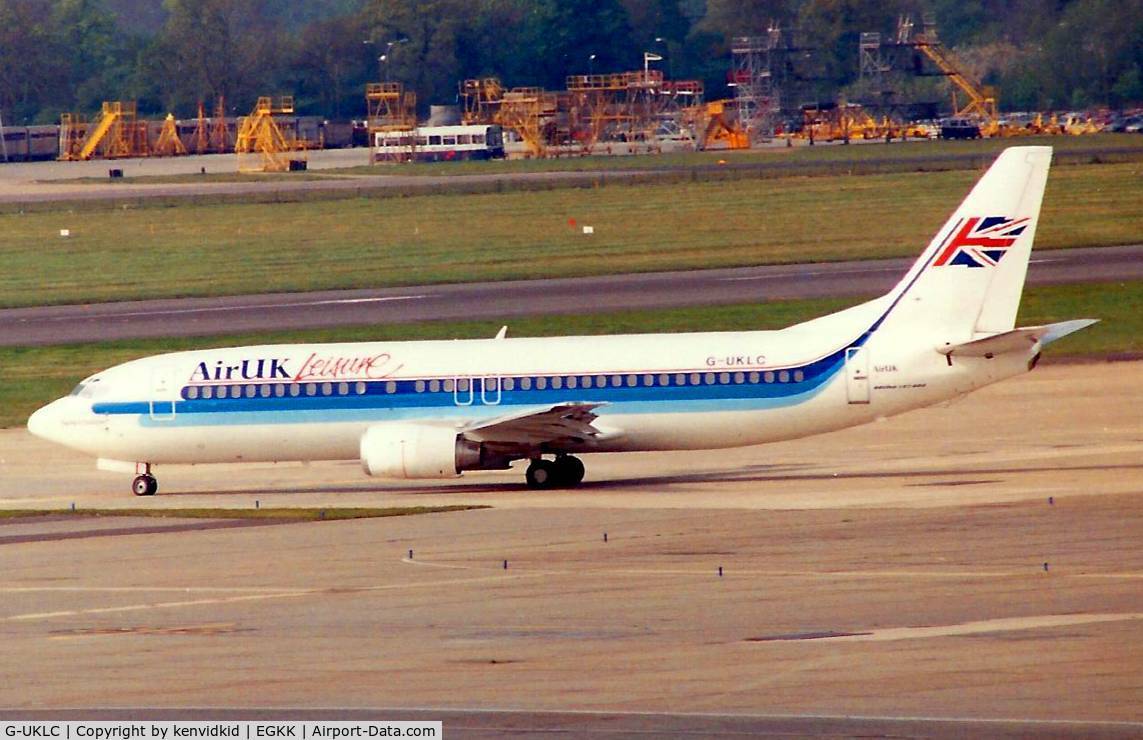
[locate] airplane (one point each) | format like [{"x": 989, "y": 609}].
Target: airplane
[{"x": 436, "y": 409}]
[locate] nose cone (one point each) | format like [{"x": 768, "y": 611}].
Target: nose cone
[{"x": 45, "y": 423}]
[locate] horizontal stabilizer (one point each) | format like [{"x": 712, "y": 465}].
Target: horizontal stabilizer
[{"x": 1016, "y": 340}]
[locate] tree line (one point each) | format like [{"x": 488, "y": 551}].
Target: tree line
[{"x": 69, "y": 55}]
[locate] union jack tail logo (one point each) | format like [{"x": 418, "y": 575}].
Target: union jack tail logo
[{"x": 981, "y": 241}]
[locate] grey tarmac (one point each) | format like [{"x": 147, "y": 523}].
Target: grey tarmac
[
  {"x": 970, "y": 569},
  {"x": 504, "y": 300}
]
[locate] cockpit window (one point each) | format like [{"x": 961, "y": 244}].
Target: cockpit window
[{"x": 87, "y": 389}]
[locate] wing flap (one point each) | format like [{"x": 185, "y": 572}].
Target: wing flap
[{"x": 551, "y": 425}]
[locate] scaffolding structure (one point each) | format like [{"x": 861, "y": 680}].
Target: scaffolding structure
[
  {"x": 909, "y": 50},
  {"x": 480, "y": 99},
  {"x": 262, "y": 145},
  {"x": 219, "y": 140},
  {"x": 169, "y": 144},
  {"x": 115, "y": 134},
  {"x": 629, "y": 111},
  {"x": 757, "y": 97},
  {"x": 390, "y": 108},
  {"x": 530, "y": 112}
]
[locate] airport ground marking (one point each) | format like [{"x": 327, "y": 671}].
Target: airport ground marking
[{"x": 294, "y": 594}]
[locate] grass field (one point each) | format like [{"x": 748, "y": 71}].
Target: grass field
[
  {"x": 32, "y": 376},
  {"x": 205, "y": 250}
]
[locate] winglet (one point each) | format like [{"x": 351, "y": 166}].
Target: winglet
[{"x": 1063, "y": 328}]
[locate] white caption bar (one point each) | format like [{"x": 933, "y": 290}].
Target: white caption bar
[{"x": 219, "y": 730}]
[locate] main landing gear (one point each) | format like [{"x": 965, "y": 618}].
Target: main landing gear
[
  {"x": 563, "y": 472},
  {"x": 144, "y": 483}
]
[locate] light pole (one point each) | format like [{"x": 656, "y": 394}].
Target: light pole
[
  {"x": 591, "y": 65},
  {"x": 648, "y": 57},
  {"x": 383, "y": 67},
  {"x": 667, "y": 52},
  {"x": 388, "y": 55}
]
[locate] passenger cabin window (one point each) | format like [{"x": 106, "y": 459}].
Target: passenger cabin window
[
  {"x": 434, "y": 141},
  {"x": 464, "y": 139},
  {"x": 449, "y": 141}
]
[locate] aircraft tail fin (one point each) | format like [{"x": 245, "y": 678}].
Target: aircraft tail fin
[{"x": 969, "y": 279}]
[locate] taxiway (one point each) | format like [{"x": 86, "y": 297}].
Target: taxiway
[{"x": 968, "y": 569}]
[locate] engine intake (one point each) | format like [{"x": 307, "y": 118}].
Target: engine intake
[{"x": 417, "y": 451}]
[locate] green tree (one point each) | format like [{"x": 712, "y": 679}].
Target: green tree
[{"x": 209, "y": 48}]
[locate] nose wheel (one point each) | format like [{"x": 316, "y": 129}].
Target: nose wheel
[
  {"x": 563, "y": 472},
  {"x": 144, "y": 485}
]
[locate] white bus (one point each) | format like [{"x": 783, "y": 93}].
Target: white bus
[{"x": 439, "y": 143}]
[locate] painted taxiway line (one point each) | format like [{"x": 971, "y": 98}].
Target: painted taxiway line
[
  {"x": 984, "y": 626},
  {"x": 302, "y": 593},
  {"x": 111, "y": 314}
]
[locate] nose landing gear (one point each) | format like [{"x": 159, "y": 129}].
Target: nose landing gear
[
  {"x": 144, "y": 483},
  {"x": 563, "y": 472}
]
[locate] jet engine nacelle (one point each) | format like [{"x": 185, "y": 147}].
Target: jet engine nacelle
[{"x": 417, "y": 451}]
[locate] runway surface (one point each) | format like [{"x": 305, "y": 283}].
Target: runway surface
[
  {"x": 962, "y": 570},
  {"x": 204, "y": 316}
]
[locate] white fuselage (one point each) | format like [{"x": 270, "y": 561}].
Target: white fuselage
[{"x": 659, "y": 392}]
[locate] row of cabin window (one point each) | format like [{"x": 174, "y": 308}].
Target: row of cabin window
[
  {"x": 461, "y": 140},
  {"x": 462, "y": 385}
]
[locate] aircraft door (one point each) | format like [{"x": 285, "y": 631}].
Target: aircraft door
[
  {"x": 462, "y": 393},
  {"x": 164, "y": 393},
  {"x": 490, "y": 390},
  {"x": 857, "y": 374}
]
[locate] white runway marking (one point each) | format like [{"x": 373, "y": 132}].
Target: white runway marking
[
  {"x": 808, "y": 273},
  {"x": 1004, "y": 624},
  {"x": 292, "y": 594},
  {"x": 220, "y": 309}
]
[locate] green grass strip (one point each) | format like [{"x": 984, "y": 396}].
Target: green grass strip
[{"x": 240, "y": 247}]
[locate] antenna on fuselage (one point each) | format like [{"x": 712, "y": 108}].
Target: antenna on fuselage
[{"x": 502, "y": 333}]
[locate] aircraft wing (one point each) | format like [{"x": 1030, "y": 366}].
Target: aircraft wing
[{"x": 565, "y": 423}]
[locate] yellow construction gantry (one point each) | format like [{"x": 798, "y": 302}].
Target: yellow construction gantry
[
  {"x": 390, "y": 108},
  {"x": 262, "y": 145},
  {"x": 115, "y": 134}
]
